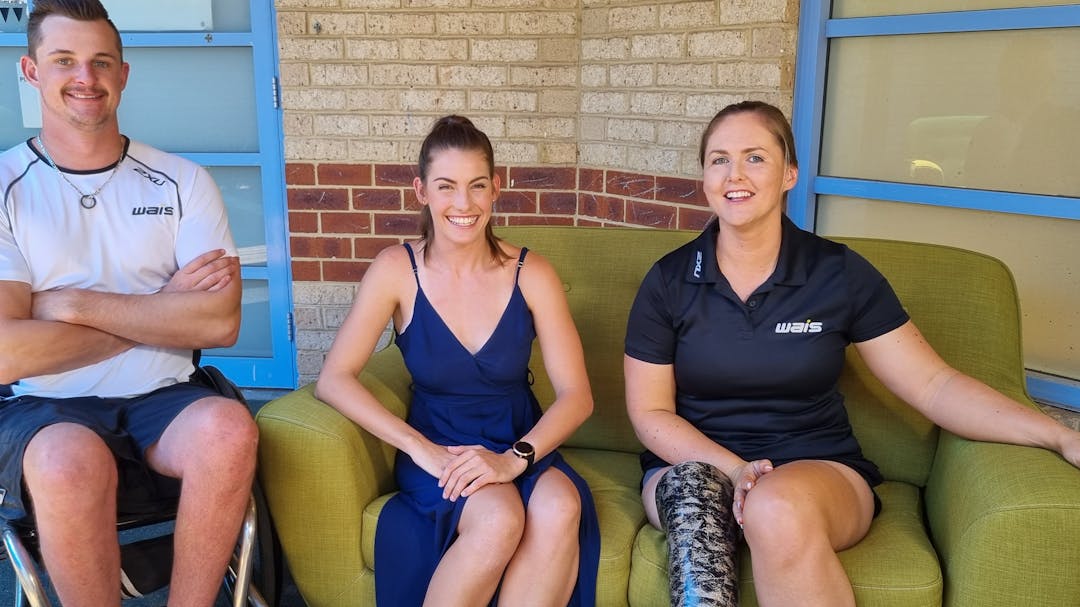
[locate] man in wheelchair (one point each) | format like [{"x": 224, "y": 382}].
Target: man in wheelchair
[{"x": 116, "y": 263}]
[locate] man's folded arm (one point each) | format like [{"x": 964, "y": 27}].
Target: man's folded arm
[
  {"x": 198, "y": 317},
  {"x": 30, "y": 347}
]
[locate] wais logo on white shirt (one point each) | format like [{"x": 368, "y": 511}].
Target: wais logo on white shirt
[
  {"x": 808, "y": 326},
  {"x": 162, "y": 210}
]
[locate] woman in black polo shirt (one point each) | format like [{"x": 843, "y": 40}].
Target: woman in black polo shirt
[{"x": 733, "y": 350}]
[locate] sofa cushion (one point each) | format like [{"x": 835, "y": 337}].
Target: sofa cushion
[
  {"x": 893, "y": 566},
  {"x": 613, "y": 478}
]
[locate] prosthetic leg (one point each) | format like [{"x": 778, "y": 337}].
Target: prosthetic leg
[{"x": 693, "y": 501}]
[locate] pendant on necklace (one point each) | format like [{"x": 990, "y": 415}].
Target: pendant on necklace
[{"x": 88, "y": 201}]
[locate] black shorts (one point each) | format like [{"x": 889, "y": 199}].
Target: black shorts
[{"x": 127, "y": 425}]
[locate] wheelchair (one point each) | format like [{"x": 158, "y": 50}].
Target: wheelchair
[{"x": 251, "y": 580}]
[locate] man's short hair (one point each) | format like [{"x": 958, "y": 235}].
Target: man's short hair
[{"x": 80, "y": 10}]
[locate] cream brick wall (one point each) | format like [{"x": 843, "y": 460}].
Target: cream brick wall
[
  {"x": 362, "y": 79},
  {"x": 623, "y": 85}
]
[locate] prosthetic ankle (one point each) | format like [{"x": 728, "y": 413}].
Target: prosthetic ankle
[{"x": 693, "y": 501}]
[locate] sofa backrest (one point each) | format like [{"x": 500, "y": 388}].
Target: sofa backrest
[
  {"x": 965, "y": 304},
  {"x": 601, "y": 270}
]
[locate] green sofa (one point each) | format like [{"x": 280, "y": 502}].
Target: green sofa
[{"x": 963, "y": 523}]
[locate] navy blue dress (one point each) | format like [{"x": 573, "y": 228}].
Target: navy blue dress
[{"x": 464, "y": 399}]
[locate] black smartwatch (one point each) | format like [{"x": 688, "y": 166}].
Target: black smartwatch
[{"x": 526, "y": 452}]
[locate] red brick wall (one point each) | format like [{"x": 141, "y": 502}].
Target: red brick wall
[{"x": 342, "y": 215}]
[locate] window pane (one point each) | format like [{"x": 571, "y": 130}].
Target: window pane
[
  {"x": 180, "y": 15},
  {"x": 984, "y": 110},
  {"x": 232, "y": 16},
  {"x": 191, "y": 99},
  {"x": 11, "y": 115},
  {"x": 874, "y": 8},
  {"x": 254, "y": 340},
  {"x": 1043, "y": 254},
  {"x": 241, "y": 187}
]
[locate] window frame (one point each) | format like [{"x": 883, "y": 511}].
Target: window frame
[
  {"x": 279, "y": 370},
  {"x": 816, "y": 29}
]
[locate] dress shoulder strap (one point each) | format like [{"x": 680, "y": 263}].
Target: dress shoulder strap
[
  {"x": 412, "y": 260},
  {"x": 520, "y": 262}
]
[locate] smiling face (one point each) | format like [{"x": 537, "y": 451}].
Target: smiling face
[
  {"x": 460, "y": 192},
  {"x": 78, "y": 69},
  {"x": 746, "y": 173}
]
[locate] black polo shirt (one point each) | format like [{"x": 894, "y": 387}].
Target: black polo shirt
[{"x": 760, "y": 377}]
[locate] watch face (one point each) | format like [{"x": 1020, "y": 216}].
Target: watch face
[{"x": 523, "y": 449}]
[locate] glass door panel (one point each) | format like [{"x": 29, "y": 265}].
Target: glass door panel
[
  {"x": 982, "y": 110},
  {"x": 843, "y": 9},
  {"x": 12, "y": 130},
  {"x": 255, "y": 332},
  {"x": 241, "y": 187},
  {"x": 202, "y": 98}
]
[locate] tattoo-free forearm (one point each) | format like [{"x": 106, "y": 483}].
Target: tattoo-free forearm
[
  {"x": 189, "y": 319},
  {"x": 33, "y": 347}
]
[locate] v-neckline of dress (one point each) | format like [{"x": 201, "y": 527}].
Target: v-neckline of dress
[{"x": 502, "y": 318}]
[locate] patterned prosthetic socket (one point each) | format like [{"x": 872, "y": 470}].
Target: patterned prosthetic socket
[{"x": 693, "y": 500}]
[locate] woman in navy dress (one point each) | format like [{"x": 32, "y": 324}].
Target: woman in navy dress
[
  {"x": 733, "y": 350},
  {"x": 488, "y": 512}
]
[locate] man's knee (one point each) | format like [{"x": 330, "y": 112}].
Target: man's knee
[
  {"x": 213, "y": 433},
  {"x": 68, "y": 458},
  {"x": 220, "y": 425}
]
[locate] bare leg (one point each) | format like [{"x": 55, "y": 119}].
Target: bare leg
[
  {"x": 795, "y": 519},
  {"x": 489, "y": 531},
  {"x": 551, "y": 538},
  {"x": 211, "y": 446},
  {"x": 71, "y": 476}
]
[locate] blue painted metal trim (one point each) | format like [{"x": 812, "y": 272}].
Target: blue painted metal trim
[
  {"x": 255, "y": 273},
  {"x": 223, "y": 159},
  {"x": 985, "y": 200},
  {"x": 950, "y": 22},
  {"x": 807, "y": 109},
  {"x": 1057, "y": 391},
  {"x": 249, "y": 372},
  {"x": 187, "y": 39},
  {"x": 13, "y": 39}
]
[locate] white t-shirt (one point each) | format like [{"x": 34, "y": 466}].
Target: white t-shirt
[{"x": 157, "y": 213}]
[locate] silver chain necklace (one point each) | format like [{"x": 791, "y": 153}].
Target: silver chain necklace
[{"x": 86, "y": 201}]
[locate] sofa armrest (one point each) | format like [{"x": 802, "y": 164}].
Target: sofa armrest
[
  {"x": 1006, "y": 524},
  {"x": 319, "y": 470}
]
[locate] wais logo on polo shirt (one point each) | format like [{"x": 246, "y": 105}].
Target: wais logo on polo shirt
[
  {"x": 808, "y": 326},
  {"x": 152, "y": 210}
]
